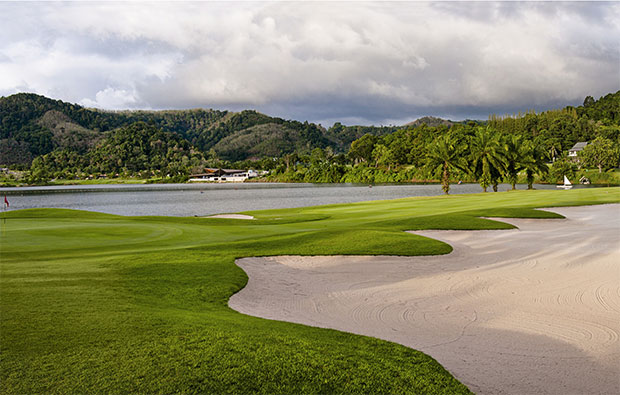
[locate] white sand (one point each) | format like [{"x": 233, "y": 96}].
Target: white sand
[
  {"x": 231, "y": 216},
  {"x": 528, "y": 311}
]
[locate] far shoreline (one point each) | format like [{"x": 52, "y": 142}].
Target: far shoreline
[{"x": 137, "y": 181}]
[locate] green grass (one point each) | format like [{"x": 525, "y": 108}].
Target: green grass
[{"x": 101, "y": 303}]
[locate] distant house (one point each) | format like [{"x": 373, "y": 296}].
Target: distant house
[
  {"x": 223, "y": 175},
  {"x": 573, "y": 153}
]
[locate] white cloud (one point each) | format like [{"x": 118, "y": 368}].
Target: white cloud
[
  {"x": 110, "y": 98},
  {"x": 369, "y": 61}
]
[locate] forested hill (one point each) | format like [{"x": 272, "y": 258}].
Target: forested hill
[
  {"x": 33, "y": 125},
  {"x": 139, "y": 149}
]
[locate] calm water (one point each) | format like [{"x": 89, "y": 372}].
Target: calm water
[{"x": 206, "y": 199}]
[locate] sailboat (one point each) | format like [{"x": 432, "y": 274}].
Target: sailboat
[{"x": 567, "y": 184}]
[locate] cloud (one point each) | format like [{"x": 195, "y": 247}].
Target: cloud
[
  {"x": 111, "y": 98},
  {"x": 362, "y": 61}
]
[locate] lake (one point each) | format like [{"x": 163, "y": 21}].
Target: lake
[{"x": 206, "y": 199}]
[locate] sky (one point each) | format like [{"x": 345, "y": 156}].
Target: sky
[{"x": 368, "y": 63}]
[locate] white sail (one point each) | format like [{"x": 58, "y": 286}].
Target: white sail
[{"x": 567, "y": 181}]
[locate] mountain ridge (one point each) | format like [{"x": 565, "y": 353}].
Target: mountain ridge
[{"x": 34, "y": 125}]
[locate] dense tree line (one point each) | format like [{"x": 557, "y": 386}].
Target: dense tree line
[
  {"x": 58, "y": 139},
  {"x": 479, "y": 154},
  {"x": 464, "y": 152},
  {"x": 508, "y": 149},
  {"x": 343, "y": 135},
  {"x": 136, "y": 150},
  {"x": 558, "y": 130}
]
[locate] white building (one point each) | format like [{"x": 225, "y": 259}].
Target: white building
[
  {"x": 223, "y": 175},
  {"x": 574, "y": 152}
]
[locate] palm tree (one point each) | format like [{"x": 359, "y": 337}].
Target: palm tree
[
  {"x": 446, "y": 152},
  {"x": 534, "y": 162},
  {"x": 516, "y": 154},
  {"x": 487, "y": 160}
]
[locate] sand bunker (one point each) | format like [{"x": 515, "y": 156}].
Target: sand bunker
[
  {"x": 231, "y": 216},
  {"x": 528, "y": 311}
]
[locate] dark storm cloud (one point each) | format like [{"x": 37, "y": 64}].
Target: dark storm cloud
[{"x": 373, "y": 63}]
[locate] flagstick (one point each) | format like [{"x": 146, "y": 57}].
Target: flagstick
[{"x": 5, "y": 205}]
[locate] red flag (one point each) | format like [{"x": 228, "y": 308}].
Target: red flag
[{"x": 6, "y": 201}]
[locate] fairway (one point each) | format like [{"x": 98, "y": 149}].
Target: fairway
[{"x": 93, "y": 302}]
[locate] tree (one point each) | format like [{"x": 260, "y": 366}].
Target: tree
[
  {"x": 487, "y": 160},
  {"x": 39, "y": 172},
  {"x": 562, "y": 167},
  {"x": 533, "y": 162},
  {"x": 555, "y": 146},
  {"x": 290, "y": 160},
  {"x": 588, "y": 101},
  {"x": 382, "y": 156},
  {"x": 515, "y": 156},
  {"x": 601, "y": 153},
  {"x": 361, "y": 149},
  {"x": 321, "y": 167},
  {"x": 446, "y": 152}
]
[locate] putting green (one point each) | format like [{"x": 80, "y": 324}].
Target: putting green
[{"x": 96, "y": 302}]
